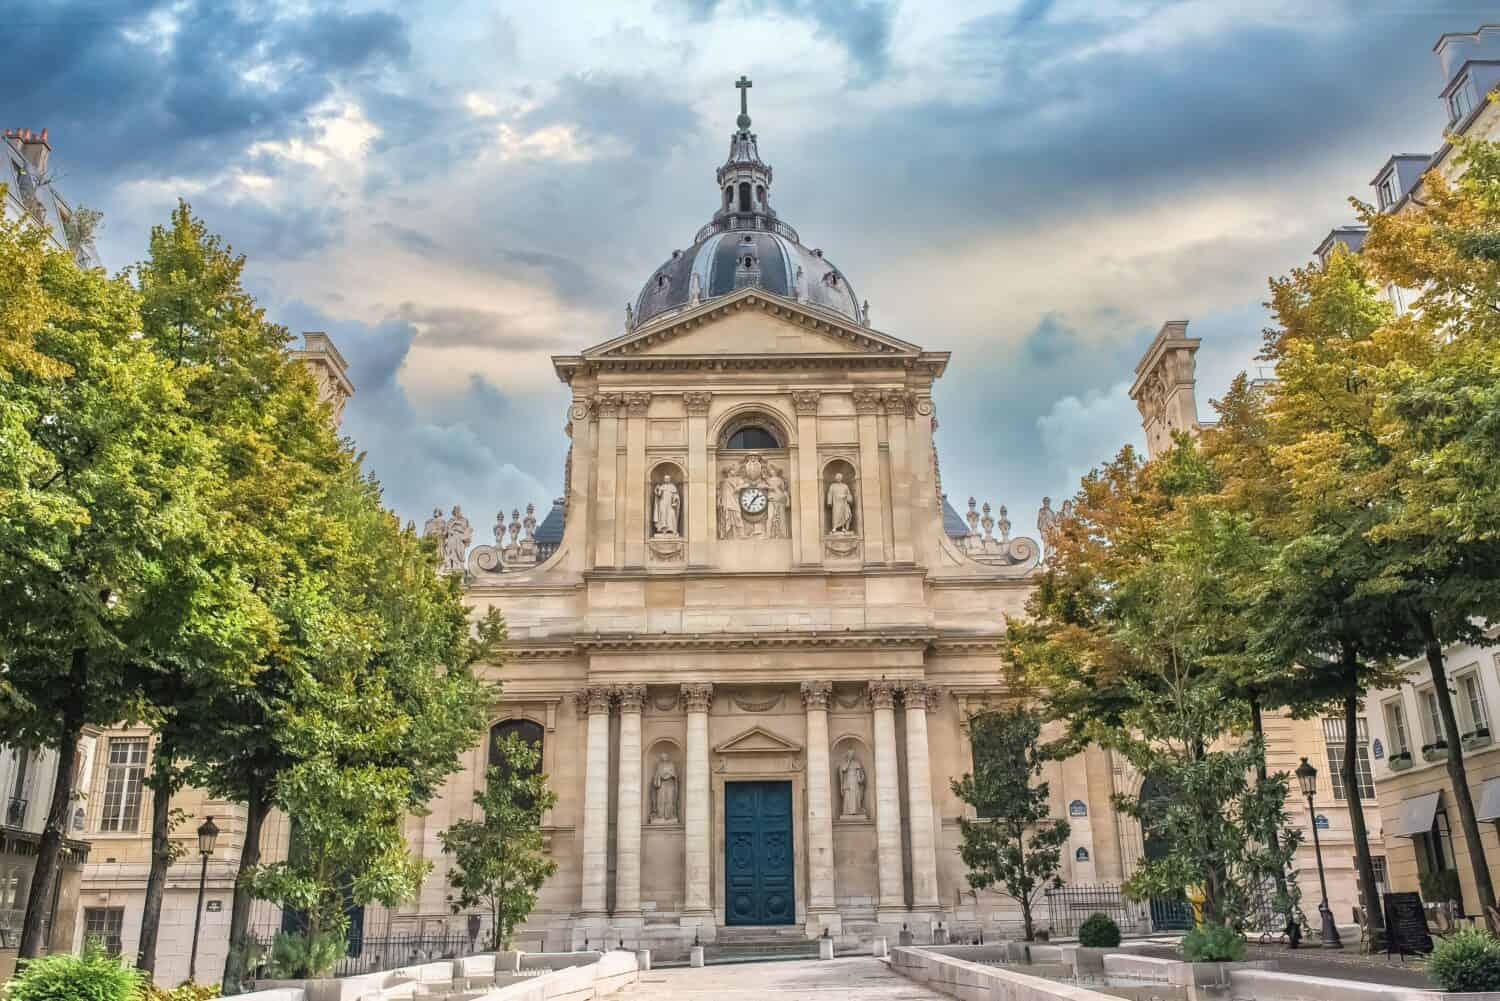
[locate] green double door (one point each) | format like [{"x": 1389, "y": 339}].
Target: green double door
[{"x": 759, "y": 870}]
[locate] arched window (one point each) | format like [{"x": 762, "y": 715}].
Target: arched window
[
  {"x": 752, "y": 436},
  {"x": 729, "y": 198},
  {"x": 744, "y": 196},
  {"x": 528, "y": 730}
]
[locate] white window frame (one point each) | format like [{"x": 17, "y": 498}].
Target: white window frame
[
  {"x": 1388, "y": 189},
  {"x": 1471, "y": 687},
  {"x": 1460, "y": 104},
  {"x": 1395, "y": 726},
  {"x": 130, "y": 772},
  {"x": 1333, "y": 748},
  {"x": 1432, "y": 715}
]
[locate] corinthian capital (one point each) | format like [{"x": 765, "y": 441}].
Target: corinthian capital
[
  {"x": 815, "y": 694},
  {"x": 867, "y": 401},
  {"x": 698, "y": 698},
  {"x": 607, "y": 404},
  {"x": 697, "y": 403},
  {"x": 883, "y": 694},
  {"x": 637, "y": 403},
  {"x": 921, "y": 695},
  {"x": 632, "y": 698},
  {"x": 591, "y": 700},
  {"x": 806, "y": 400}
]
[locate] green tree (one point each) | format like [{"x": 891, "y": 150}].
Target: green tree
[
  {"x": 1013, "y": 844},
  {"x": 499, "y": 861},
  {"x": 105, "y": 527}
]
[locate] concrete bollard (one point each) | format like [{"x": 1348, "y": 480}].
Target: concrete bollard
[
  {"x": 643, "y": 959},
  {"x": 878, "y": 947},
  {"x": 825, "y": 948},
  {"x": 695, "y": 958}
]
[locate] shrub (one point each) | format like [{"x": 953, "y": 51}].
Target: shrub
[
  {"x": 1099, "y": 931},
  {"x": 1439, "y": 887},
  {"x": 1467, "y": 960},
  {"x": 185, "y": 991},
  {"x": 295, "y": 954},
  {"x": 93, "y": 976},
  {"x": 1043, "y": 935},
  {"x": 1213, "y": 944}
]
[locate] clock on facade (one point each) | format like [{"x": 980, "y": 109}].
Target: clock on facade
[{"x": 753, "y": 500}]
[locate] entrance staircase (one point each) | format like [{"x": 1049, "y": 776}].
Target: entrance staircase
[{"x": 758, "y": 942}]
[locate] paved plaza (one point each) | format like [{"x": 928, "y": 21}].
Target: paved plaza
[{"x": 860, "y": 978}]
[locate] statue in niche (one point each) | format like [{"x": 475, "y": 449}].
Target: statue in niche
[
  {"x": 456, "y": 542},
  {"x": 666, "y": 508},
  {"x": 778, "y": 495},
  {"x": 840, "y": 506},
  {"x": 436, "y": 527},
  {"x": 664, "y": 791},
  {"x": 851, "y": 786}
]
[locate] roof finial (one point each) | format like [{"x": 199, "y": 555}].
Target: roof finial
[{"x": 744, "y": 85}]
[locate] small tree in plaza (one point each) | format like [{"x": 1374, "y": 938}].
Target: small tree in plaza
[
  {"x": 499, "y": 861},
  {"x": 1013, "y": 844}
]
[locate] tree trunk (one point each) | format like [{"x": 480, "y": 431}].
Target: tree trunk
[
  {"x": 161, "y": 856},
  {"x": 256, "y": 808},
  {"x": 1458, "y": 776},
  {"x": 1026, "y": 919},
  {"x": 1258, "y": 727},
  {"x": 49, "y": 849},
  {"x": 1374, "y": 918}
]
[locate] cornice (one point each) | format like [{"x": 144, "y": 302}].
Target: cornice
[{"x": 633, "y": 642}]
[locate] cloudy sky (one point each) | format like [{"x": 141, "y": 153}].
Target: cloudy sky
[{"x": 457, "y": 191}]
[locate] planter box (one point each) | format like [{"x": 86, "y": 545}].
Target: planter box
[
  {"x": 1399, "y": 762},
  {"x": 1270, "y": 986},
  {"x": 1474, "y": 741},
  {"x": 1435, "y": 752}
]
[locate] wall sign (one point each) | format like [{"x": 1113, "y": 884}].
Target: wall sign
[
  {"x": 1081, "y": 855},
  {"x": 1321, "y": 822},
  {"x": 1377, "y": 749},
  {"x": 214, "y": 906},
  {"x": 1078, "y": 808}
]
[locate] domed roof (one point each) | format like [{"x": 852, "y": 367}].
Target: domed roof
[{"x": 745, "y": 245}]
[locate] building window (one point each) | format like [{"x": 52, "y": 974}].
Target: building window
[
  {"x": 752, "y": 437},
  {"x": 1397, "y": 295},
  {"x": 1333, "y": 740},
  {"x": 1473, "y": 694},
  {"x": 122, "y": 784},
  {"x": 1433, "y": 716},
  {"x": 1395, "y": 726},
  {"x": 1459, "y": 102},
  {"x": 1382, "y": 875},
  {"x": 103, "y": 924},
  {"x": 1389, "y": 193}
]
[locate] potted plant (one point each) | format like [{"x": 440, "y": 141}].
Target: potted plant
[
  {"x": 1435, "y": 751},
  {"x": 1477, "y": 738},
  {"x": 1440, "y": 887},
  {"x": 1400, "y": 761}
]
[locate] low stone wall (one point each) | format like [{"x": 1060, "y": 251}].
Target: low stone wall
[
  {"x": 276, "y": 994},
  {"x": 971, "y": 981},
  {"x": 1263, "y": 985},
  {"x": 570, "y": 976}
]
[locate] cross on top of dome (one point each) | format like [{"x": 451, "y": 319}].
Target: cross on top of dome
[{"x": 744, "y": 84}]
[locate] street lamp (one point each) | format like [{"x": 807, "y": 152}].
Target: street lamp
[
  {"x": 1307, "y": 778},
  {"x": 208, "y": 836}
]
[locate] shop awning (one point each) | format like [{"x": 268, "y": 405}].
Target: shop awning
[
  {"x": 1489, "y": 800},
  {"x": 1415, "y": 816}
]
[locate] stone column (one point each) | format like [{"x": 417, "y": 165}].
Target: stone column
[
  {"x": 871, "y": 521},
  {"x": 924, "y": 884},
  {"x": 820, "y": 884},
  {"x": 628, "y": 811},
  {"x": 697, "y": 897},
  {"x": 593, "y": 705},
  {"x": 807, "y": 535},
  {"x": 633, "y": 529},
  {"x": 887, "y": 799},
  {"x": 607, "y": 411},
  {"x": 702, "y": 518}
]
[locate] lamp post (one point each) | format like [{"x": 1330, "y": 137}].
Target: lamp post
[
  {"x": 208, "y": 836},
  {"x": 1307, "y": 778}
]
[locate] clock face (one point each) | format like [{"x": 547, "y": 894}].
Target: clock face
[{"x": 752, "y": 500}]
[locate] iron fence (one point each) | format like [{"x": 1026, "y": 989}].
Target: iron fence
[
  {"x": 1069, "y": 906},
  {"x": 374, "y": 953}
]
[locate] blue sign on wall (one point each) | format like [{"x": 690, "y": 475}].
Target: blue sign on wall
[
  {"x": 1078, "y": 808},
  {"x": 1081, "y": 855},
  {"x": 1377, "y": 748},
  {"x": 1321, "y": 822}
]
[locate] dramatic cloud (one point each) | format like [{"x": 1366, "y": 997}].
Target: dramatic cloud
[{"x": 457, "y": 193}]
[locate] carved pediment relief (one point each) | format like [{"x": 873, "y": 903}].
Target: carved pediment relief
[{"x": 758, "y": 740}]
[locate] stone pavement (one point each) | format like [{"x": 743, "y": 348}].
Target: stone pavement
[
  {"x": 852, "y": 979},
  {"x": 1347, "y": 963}
]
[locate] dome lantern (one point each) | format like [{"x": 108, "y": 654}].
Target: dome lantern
[{"x": 745, "y": 179}]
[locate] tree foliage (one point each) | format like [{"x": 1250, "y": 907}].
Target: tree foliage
[
  {"x": 499, "y": 860},
  {"x": 1014, "y": 844}
]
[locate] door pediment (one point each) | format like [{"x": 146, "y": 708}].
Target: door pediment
[{"x": 758, "y": 740}]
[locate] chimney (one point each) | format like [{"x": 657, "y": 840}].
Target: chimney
[{"x": 34, "y": 147}]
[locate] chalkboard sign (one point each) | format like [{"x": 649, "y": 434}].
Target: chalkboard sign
[{"x": 1406, "y": 925}]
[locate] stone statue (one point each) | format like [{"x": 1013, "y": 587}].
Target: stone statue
[
  {"x": 864, "y": 313},
  {"x": 1004, "y": 525},
  {"x": 629, "y": 317},
  {"x": 840, "y": 506},
  {"x": 456, "y": 542},
  {"x": 852, "y": 786},
  {"x": 777, "y": 497},
  {"x": 799, "y": 285},
  {"x": 437, "y": 526},
  {"x": 695, "y": 290},
  {"x": 664, "y": 791},
  {"x": 667, "y": 508},
  {"x": 731, "y": 522},
  {"x": 1067, "y": 510}
]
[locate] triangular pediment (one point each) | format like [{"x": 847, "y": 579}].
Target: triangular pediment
[
  {"x": 753, "y": 322},
  {"x": 758, "y": 740}
]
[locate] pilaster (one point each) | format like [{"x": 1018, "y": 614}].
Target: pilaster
[
  {"x": 593, "y": 705},
  {"x": 628, "y": 812},
  {"x": 634, "y": 528},
  {"x": 887, "y": 799},
  {"x": 607, "y": 411},
  {"x": 820, "y": 863},
  {"x": 871, "y": 522},
  {"x": 807, "y": 540},
  {"x": 702, "y": 518},
  {"x": 697, "y": 876},
  {"x": 919, "y": 697},
  {"x": 900, "y": 407}
]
